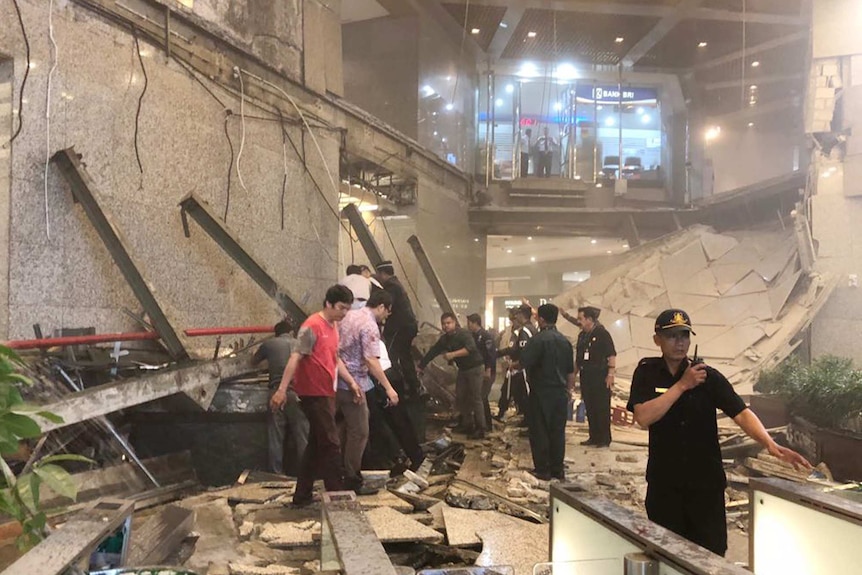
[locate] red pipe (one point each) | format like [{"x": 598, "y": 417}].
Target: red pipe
[
  {"x": 80, "y": 340},
  {"x": 204, "y": 331}
]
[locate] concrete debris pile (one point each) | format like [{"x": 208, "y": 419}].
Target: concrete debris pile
[{"x": 745, "y": 291}]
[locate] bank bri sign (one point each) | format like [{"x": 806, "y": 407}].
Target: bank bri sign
[{"x": 613, "y": 94}]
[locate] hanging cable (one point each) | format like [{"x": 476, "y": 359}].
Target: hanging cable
[
  {"x": 461, "y": 51},
  {"x": 242, "y": 128},
  {"x": 192, "y": 73},
  {"x": 26, "y": 73},
  {"x": 48, "y": 112},
  {"x": 296, "y": 107},
  {"x": 227, "y": 116},
  {"x": 140, "y": 102},
  {"x": 284, "y": 164}
]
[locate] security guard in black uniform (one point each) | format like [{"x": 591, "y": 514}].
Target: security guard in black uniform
[
  {"x": 549, "y": 362},
  {"x": 596, "y": 361},
  {"x": 675, "y": 398}
]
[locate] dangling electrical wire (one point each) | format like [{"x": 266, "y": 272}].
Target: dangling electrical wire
[
  {"x": 283, "y": 162},
  {"x": 48, "y": 112},
  {"x": 461, "y": 51},
  {"x": 227, "y": 116},
  {"x": 744, "y": 46},
  {"x": 242, "y": 129},
  {"x": 26, "y": 73},
  {"x": 140, "y": 102}
]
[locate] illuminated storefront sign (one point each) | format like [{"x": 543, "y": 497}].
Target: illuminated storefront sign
[{"x": 612, "y": 94}]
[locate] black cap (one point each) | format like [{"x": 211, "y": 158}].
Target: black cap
[
  {"x": 385, "y": 266},
  {"x": 673, "y": 319}
]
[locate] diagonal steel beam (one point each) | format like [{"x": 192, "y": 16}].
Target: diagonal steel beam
[
  {"x": 366, "y": 238},
  {"x": 84, "y": 192},
  {"x": 430, "y": 274},
  {"x": 227, "y": 241},
  {"x": 659, "y": 31},
  {"x": 502, "y": 36}
]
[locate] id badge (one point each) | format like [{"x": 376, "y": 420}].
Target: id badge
[{"x": 587, "y": 355}]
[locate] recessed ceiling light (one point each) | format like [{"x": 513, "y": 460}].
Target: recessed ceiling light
[
  {"x": 532, "y": 258},
  {"x": 625, "y": 246},
  {"x": 599, "y": 185},
  {"x": 498, "y": 102},
  {"x": 751, "y": 124},
  {"x": 531, "y": 34},
  {"x": 509, "y": 251},
  {"x": 529, "y": 237},
  {"x": 503, "y": 25},
  {"x": 619, "y": 40},
  {"x": 703, "y": 44},
  {"x": 510, "y": 88},
  {"x": 450, "y": 107},
  {"x": 594, "y": 242},
  {"x": 753, "y": 87},
  {"x": 610, "y": 251},
  {"x": 755, "y": 64},
  {"x": 475, "y": 239},
  {"x": 448, "y": 246},
  {"x": 475, "y": 31}
]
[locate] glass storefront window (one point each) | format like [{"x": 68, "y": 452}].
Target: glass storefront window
[{"x": 581, "y": 130}]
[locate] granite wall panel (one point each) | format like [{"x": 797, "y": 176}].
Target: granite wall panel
[{"x": 66, "y": 278}]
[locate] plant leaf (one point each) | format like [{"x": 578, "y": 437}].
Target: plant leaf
[
  {"x": 21, "y": 425},
  {"x": 27, "y": 489},
  {"x": 52, "y": 417},
  {"x": 63, "y": 457},
  {"x": 8, "y": 441},
  {"x": 58, "y": 479}
]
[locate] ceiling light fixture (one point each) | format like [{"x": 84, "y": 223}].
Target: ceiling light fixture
[
  {"x": 475, "y": 31},
  {"x": 532, "y": 258},
  {"x": 531, "y": 34},
  {"x": 712, "y": 133},
  {"x": 609, "y": 252},
  {"x": 646, "y": 119},
  {"x": 594, "y": 242},
  {"x": 503, "y": 25},
  {"x": 702, "y": 44},
  {"x": 755, "y": 64},
  {"x": 498, "y": 102},
  {"x": 529, "y": 237},
  {"x": 509, "y": 251},
  {"x": 620, "y": 40},
  {"x": 510, "y": 88},
  {"x": 558, "y": 107},
  {"x": 751, "y": 124},
  {"x": 450, "y": 106}
]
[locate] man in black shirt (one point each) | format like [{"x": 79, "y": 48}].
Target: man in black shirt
[
  {"x": 676, "y": 400},
  {"x": 596, "y": 360},
  {"x": 488, "y": 349},
  {"x": 401, "y": 327},
  {"x": 457, "y": 344},
  {"x": 519, "y": 385},
  {"x": 547, "y": 357}
]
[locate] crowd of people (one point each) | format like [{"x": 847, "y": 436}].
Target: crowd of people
[{"x": 350, "y": 368}]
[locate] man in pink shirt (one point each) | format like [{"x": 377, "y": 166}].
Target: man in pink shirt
[{"x": 314, "y": 368}]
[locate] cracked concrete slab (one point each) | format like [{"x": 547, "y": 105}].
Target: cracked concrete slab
[{"x": 390, "y": 526}]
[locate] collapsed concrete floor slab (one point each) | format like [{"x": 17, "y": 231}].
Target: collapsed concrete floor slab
[{"x": 745, "y": 292}]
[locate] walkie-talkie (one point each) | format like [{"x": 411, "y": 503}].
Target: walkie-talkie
[{"x": 696, "y": 360}]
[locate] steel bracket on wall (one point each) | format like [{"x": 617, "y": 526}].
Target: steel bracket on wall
[
  {"x": 85, "y": 193},
  {"x": 363, "y": 233},
  {"x": 192, "y": 206},
  {"x": 430, "y": 274}
]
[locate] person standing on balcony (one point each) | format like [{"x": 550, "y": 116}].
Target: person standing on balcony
[
  {"x": 525, "y": 144},
  {"x": 546, "y": 145}
]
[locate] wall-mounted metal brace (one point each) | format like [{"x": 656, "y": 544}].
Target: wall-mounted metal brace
[
  {"x": 192, "y": 206},
  {"x": 363, "y": 233},
  {"x": 85, "y": 193},
  {"x": 430, "y": 275}
]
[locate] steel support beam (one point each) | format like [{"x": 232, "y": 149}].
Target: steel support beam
[
  {"x": 363, "y": 233},
  {"x": 430, "y": 274},
  {"x": 192, "y": 379},
  {"x": 84, "y": 192},
  {"x": 502, "y": 36},
  {"x": 228, "y": 242},
  {"x": 638, "y": 9},
  {"x": 659, "y": 31}
]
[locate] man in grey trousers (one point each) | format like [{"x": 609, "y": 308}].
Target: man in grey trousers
[{"x": 276, "y": 351}]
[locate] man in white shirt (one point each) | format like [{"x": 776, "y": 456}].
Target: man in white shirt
[
  {"x": 546, "y": 145},
  {"x": 357, "y": 283},
  {"x": 526, "y": 142}
]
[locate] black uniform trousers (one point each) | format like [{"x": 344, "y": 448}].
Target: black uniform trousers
[
  {"x": 391, "y": 425},
  {"x": 515, "y": 388},
  {"x": 694, "y": 513},
  {"x": 548, "y": 415},
  {"x": 544, "y": 164},
  {"x": 399, "y": 343},
  {"x": 597, "y": 398},
  {"x": 487, "y": 384},
  {"x": 525, "y": 164}
]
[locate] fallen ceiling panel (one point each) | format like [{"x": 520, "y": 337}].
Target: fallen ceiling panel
[{"x": 738, "y": 287}]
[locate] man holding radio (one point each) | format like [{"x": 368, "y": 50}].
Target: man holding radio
[{"x": 676, "y": 398}]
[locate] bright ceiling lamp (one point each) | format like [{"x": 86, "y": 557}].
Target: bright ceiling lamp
[{"x": 566, "y": 71}]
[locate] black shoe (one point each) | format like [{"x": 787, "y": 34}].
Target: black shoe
[
  {"x": 364, "y": 490},
  {"x": 302, "y": 501},
  {"x": 603, "y": 445},
  {"x": 398, "y": 469},
  {"x": 480, "y": 434},
  {"x": 588, "y": 442},
  {"x": 415, "y": 465}
]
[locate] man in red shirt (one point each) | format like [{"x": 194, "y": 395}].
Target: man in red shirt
[{"x": 313, "y": 368}]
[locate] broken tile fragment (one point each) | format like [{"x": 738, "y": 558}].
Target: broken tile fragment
[{"x": 390, "y": 526}]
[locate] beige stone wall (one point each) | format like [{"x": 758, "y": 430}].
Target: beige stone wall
[{"x": 66, "y": 277}]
